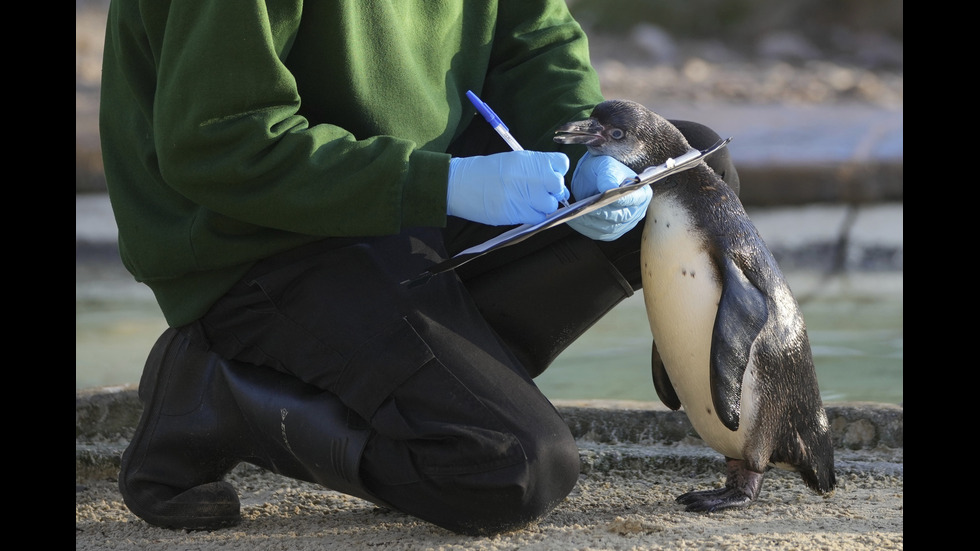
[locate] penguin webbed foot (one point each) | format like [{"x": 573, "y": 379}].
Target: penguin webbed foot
[
  {"x": 741, "y": 488},
  {"x": 707, "y": 501}
]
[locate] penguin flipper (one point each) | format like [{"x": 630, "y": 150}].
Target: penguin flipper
[
  {"x": 742, "y": 312},
  {"x": 661, "y": 381}
]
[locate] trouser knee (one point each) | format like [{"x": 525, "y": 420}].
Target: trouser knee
[
  {"x": 553, "y": 469},
  {"x": 473, "y": 489},
  {"x": 521, "y": 495},
  {"x": 512, "y": 497}
]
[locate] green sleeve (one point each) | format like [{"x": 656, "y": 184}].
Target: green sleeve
[
  {"x": 229, "y": 137},
  {"x": 540, "y": 74}
]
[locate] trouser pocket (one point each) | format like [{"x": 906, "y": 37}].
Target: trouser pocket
[{"x": 334, "y": 319}]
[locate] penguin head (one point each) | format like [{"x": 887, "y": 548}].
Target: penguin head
[{"x": 626, "y": 131}]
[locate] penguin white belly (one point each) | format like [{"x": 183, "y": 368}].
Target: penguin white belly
[{"x": 682, "y": 291}]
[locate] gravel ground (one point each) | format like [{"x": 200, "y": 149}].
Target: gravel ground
[
  {"x": 673, "y": 77},
  {"x": 711, "y": 73},
  {"x": 610, "y": 511},
  {"x": 617, "y": 509}
]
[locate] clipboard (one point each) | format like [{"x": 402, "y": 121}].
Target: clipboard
[{"x": 579, "y": 208}]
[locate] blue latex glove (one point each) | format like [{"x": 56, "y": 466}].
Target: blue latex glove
[
  {"x": 515, "y": 187},
  {"x": 598, "y": 173}
]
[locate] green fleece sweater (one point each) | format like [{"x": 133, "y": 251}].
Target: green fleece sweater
[{"x": 235, "y": 130}]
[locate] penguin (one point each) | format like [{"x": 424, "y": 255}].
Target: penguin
[{"x": 730, "y": 344}]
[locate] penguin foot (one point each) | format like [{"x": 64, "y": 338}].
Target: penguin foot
[
  {"x": 743, "y": 486},
  {"x": 714, "y": 500}
]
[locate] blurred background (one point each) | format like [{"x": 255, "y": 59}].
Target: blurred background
[{"x": 811, "y": 91}]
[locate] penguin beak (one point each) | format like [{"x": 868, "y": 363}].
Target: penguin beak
[{"x": 587, "y": 132}]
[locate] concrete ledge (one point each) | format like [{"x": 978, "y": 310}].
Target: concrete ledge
[
  {"x": 774, "y": 184},
  {"x": 106, "y": 412},
  {"x": 855, "y": 425},
  {"x": 612, "y": 435}
]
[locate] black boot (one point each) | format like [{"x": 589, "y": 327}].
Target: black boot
[
  {"x": 300, "y": 431},
  {"x": 540, "y": 303},
  {"x": 189, "y": 437},
  {"x": 203, "y": 415}
]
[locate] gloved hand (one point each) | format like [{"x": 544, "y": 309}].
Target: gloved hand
[
  {"x": 598, "y": 173},
  {"x": 515, "y": 187}
]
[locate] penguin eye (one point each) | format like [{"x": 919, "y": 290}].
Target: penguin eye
[{"x": 616, "y": 134}]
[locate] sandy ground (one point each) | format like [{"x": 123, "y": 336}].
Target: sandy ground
[{"x": 608, "y": 511}]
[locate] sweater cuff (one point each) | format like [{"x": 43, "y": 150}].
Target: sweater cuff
[{"x": 424, "y": 192}]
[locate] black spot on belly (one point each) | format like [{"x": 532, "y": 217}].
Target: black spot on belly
[{"x": 708, "y": 410}]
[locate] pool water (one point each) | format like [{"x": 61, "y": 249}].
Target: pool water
[
  {"x": 857, "y": 343},
  {"x": 855, "y": 324}
]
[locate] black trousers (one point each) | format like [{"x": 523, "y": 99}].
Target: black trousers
[{"x": 460, "y": 430}]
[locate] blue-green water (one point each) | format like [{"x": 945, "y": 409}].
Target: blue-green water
[
  {"x": 856, "y": 338},
  {"x": 855, "y": 325}
]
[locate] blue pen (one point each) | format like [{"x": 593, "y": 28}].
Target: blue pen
[{"x": 497, "y": 125}]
